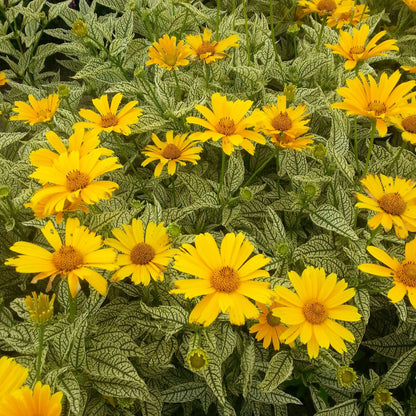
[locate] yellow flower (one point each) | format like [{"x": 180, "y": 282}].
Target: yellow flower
[
  {"x": 225, "y": 278},
  {"x": 411, "y": 4},
  {"x": 374, "y": 101},
  {"x": 70, "y": 181},
  {"x": 227, "y": 121},
  {"x": 144, "y": 253},
  {"x": 404, "y": 273},
  {"x": 40, "y": 307},
  {"x": 39, "y": 402},
  {"x": 312, "y": 310},
  {"x": 383, "y": 396},
  {"x": 322, "y": 7},
  {"x": 3, "y": 78},
  {"x": 346, "y": 376},
  {"x": 205, "y": 50},
  {"x": 167, "y": 54},
  {"x": 175, "y": 150},
  {"x": 353, "y": 47},
  {"x": 12, "y": 377},
  {"x": 394, "y": 200},
  {"x": 72, "y": 260},
  {"x": 109, "y": 120},
  {"x": 406, "y": 122},
  {"x": 38, "y": 111},
  {"x": 354, "y": 15},
  {"x": 411, "y": 69},
  {"x": 269, "y": 329}
]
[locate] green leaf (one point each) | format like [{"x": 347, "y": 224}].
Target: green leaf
[
  {"x": 68, "y": 384},
  {"x": 362, "y": 300},
  {"x": 168, "y": 318},
  {"x": 6, "y": 139},
  {"x": 248, "y": 359},
  {"x": 392, "y": 345},
  {"x": 124, "y": 26},
  {"x": 279, "y": 369},
  {"x": 23, "y": 338},
  {"x": 159, "y": 353},
  {"x": 234, "y": 175},
  {"x": 153, "y": 405},
  {"x": 345, "y": 205},
  {"x": 277, "y": 228},
  {"x": 77, "y": 354},
  {"x": 338, "y": 140},
  {"x": 276, "y": 397},
  {"x": 399, "y": 371},
  {"x": 96, "y": 406},
  {"x": 213, "y": 376},
  {"x": 348, "y": 408},
  {"x": 294, "y": 162},
  {"x": 328, "y": 217},
  {"x": 374, "y": 409},
  {"x": 317, "y": 246},
  {"x": 182, "y": 393},
  {"x": 318, "y": 401},
  {"x": 396, "y": 406},
  {"x": 121, "y": 388}
]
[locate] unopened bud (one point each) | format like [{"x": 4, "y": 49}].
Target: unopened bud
[
  {"x": 40, "y": 307},
  {"x": 174, "y": 229},
  {"x": 246, "y": 194},
  {"x": 63, "y": 91},
  {"x": 346, "y": 376},
  {"x": 79, "y": 28},
  {"x": 382, "y": 396},
  {"x": 197, "y": 359}
]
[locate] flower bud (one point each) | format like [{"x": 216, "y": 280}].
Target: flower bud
[
  {"x": 79, "y": 28},
  {"x": 40, "y": 307},
  {"x": 63, "y": 91},
  {"x": 197, "y": 359},
  {"x": 246, "y": 194},
  {"x": 319, "y": 150},
  {"x": 382, "y": 396},
  {"x": 346, "y": 376},
  {"x": 282, "y": 249},
  {"x": 290, "y": 92},
  {"x": 293, "y": 29},
  {"x": 174, "y": 229},
  {"x": 4, "y": 191}
]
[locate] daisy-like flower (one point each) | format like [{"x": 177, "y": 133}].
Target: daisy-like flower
[
  {"x": 406, "y": 122},
  {"x": 71, "y": 180},
  {"x": 3, "y": 78},
  {"x": 403, "y": 274},
  {"x": 40, "y": 111},
  {"x": 322, "y": 7},
  {"x": 144, "y": 254},
  {"x": 354, "y": 47},
  {"x": 205, "y": 50},
  {"x": 175, "y": 150},
  {"x": 269, "y": 329},
  {"x": 411, "y": 69},
  {"x": 167, "y": 54},
  {"x": 312, "y": 310},
  {"x": 81, "y": 141},
  {"x": 355, "y": 14},
  {"x": 225, "y": 278},
  {"x": 227, "y": 122},
  {"x": 108, "y": 118},
  {"x": 394, "y": 200},
  {"x": 411, "y": 4},
  {"x": 39, "y": 402},
  {"x": 374, "y": 101},
  {"x": 12, "y": 377},
  {"x": 82, "y": 250}
]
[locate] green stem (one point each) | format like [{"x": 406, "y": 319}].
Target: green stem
[
  {"x": 247, "y": 37},
  {"x": 217, "y": 22},
  {"x": 357, "y": 162},
  {"x": 222, "y": 173},
  {"x": 72, "y": 307},
  {"x": 396, "y": 158},
  {"x": 40, "y": 349},
  {"x": 71, "y": 109},
  {"x": 258, "y": 170},
  {"x": 143, "y": 189},
  {"x": 178, "y": 88},
  {"x": 207, "y": 75},
  {"x": 277, "y": 170},
  {"x": 321, "y": 32},
  {"x": 172, "y": 181},
  {"x": 14, "y": 30},
  {"x": 373, "y": 234},
  {"x": 272, "y": 26},
  {"x": 370, "y": 148}
]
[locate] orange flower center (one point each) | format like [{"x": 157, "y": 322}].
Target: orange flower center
[
  {"x": 282, "y": 122},
  {"x": 171, "y": 151},
  {"x": 67, "y": 258},
  {"x": 206, "y": 47},
  {"x": 392, "y": 203},
  {"x": 378, "y": 107},
  {"x": 356, "y": 50},
  {"x": 44, "y": 115},
  {"x": 409, "y": 124},
  {"x": 327, "y": 6},
  {"x": 272, "y": 320},
  {"x": 142, "y": 253},
  {"x": 226, "y": 126},
  {"x": 406, "y": 273},
  {"x": 225, "y": 280},
  {"x": 76, "y": 180},
  {"x": 315, "y": 313},
  {"x": 109, "y": 120},
  {"x": 170, "y": 60}
]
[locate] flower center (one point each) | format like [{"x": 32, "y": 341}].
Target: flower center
[
  {"x": 315, "y": 313},
  {"x": 378, "y": 107},
  {"x": 170, "y": 60},
  {"x": 226, "y": 126},
  {"x": 356, "y": 50},
  {"x": 109, "y": 120},
  {"x": 67, "y": 258},
  {"x": 206, "y": 48},
  {"x": 327, "y": 6},
  {"x": 406, "y": 273},
  {"x": 409, "y": 124},
  {"x": 76, "y": 180},
  {"x": 44, "y": 115},
  {"x": 142, "y": 253},
  {"x": 282, "y": 122},
  {"x": 392, "y": 203},
  {"x": 272, "y": 320},
  {"x": 225, "y": 280},
  {"x": 171, "y": 152}
]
